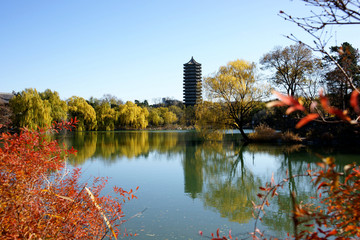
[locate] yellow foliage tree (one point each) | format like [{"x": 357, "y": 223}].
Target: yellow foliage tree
[
  {"x": 132, "y": 116},
  {"x": 178, "y": 111},
  {"x": 58, "y": 106},
  {"x": 235, "y": 86},
  {"x": 161, "y": 116},
  {"x": 155, "y": 118},
  {"x": 105, "y": 117},
  {"x": 29, "y": 110},
  {"x": 84, "y": 113},
  {"x": 169, "y": 117},
  {"x": 211, "y": 119}
]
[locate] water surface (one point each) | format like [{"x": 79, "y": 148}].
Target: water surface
[{"x": 187, "y": 185}]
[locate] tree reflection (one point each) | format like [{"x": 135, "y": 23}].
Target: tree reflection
[
  {"x": 278, "y": 215},
  {"x": 222, "y": 175},
  {"x": 164, "y": 142},
  {"x": 85, "y": 145},
  {"x": 232, "y": 187},
  {"x": 114, "y": 146},
  {"x": 193, "y": 171},
  {"x": 132, "y": 144}
]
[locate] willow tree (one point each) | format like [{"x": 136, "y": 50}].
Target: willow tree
[
  {"x": 29, "y": 110},
  {"x": 84, "y": 113},
  {"x": 132, "y": 116},
  {"x": 58, "y": 106},
  {"x": 210, "y": 118},
  {"x": 236, "y": 87},
  {"x": 155, "y": 118},
  {"x": 105, "y": 117},
  {"x": 161, "y": 116}
]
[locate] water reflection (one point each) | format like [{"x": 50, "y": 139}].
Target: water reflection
[
  {"x": 85, "y": 144},
  {"x": 231, "y": 186},
  {"x": 193, "y": 171},
  {"x": 224, "y": 176},
  {"x": 112, "y": 146}
]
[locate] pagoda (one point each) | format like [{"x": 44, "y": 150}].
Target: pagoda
[{"x": 192, "y": 83}]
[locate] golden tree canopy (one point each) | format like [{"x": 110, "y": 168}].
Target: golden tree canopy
[{"x": 236, "y": 87}]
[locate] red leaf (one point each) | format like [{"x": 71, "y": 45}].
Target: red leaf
[
  {"x": 331, "y": 233},
  {"x": 324, "y": 101},
  {"x": 332, "y": 110},
  {"x": 354, "y": 101},
  {"x": 217, "y": 232},
  {"x": 275, "y": 104},
  {"x": 340, "y": 114},
  {"x": 306, "y": 119},
  {"x": 322, "y": 184},
  {"x": 288, "y": 100},
  {"x": 290, "y": 110}
]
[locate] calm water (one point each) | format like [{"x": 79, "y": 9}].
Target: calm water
[{"x": 187, "y": 185}]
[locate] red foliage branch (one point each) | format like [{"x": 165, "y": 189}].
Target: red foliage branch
[
  {"x": 340, "y": 218},
  {"x": 339, "y": 215},
  {"x": 296, "y": 105},
  {"x": 41, "y": 199}
]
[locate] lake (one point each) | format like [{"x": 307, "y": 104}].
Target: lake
[{"x": 187, "y": 185}]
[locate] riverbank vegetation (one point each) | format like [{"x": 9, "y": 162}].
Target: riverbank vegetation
[{"x": 30, "y": 108}]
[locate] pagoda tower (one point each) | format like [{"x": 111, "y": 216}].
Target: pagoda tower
[{"x": 192, "y": 83}]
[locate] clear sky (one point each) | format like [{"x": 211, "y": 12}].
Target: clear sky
[{"x": 136, "y": 49}]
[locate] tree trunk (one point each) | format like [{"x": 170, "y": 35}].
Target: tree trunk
[
  {"x": 239, "y": 125},
  {"x": 243, "y": 134}
]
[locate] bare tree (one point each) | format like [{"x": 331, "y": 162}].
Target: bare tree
[
  {"x": 293, "y": 66},
  {"x": 326, "y": 13}
]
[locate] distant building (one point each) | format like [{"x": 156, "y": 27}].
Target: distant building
[
  {"x": 5, "y": 98},
  {"x": 192, "y": 83}
]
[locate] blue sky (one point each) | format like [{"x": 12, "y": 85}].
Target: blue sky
[{"x": 136, "y": 49}]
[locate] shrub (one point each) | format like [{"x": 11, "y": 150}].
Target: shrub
[
  {"x": 290, "y": 137},
  {"x": 264, "y": 133},
  {"x": 41, "y": 199}
]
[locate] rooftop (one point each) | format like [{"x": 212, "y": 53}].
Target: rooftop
[{"x": 192, "y": 62}]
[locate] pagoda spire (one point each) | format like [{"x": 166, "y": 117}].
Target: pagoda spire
[{"x": 192, "y": 83}]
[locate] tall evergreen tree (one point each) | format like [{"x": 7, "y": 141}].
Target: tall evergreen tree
[{"x": 337, "y": 84}]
